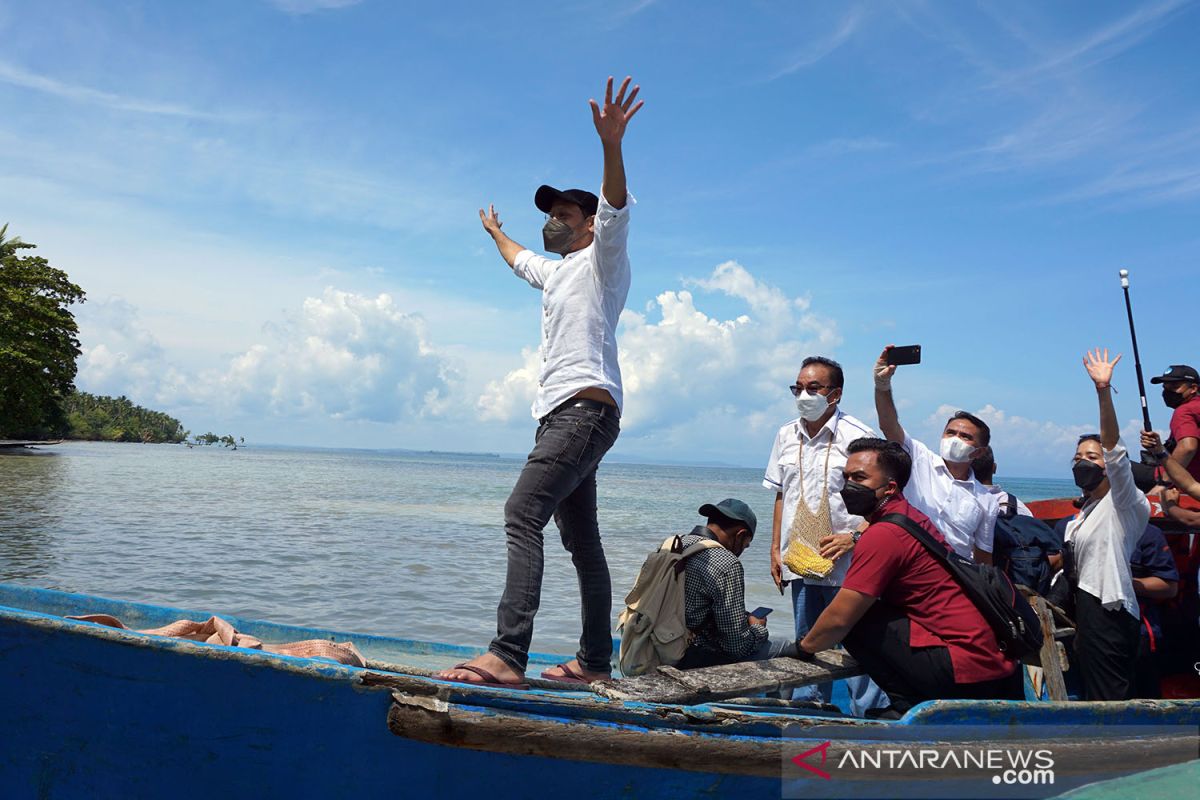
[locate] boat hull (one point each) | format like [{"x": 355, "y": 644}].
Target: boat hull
[
  {"x": 98, "y": 713},
  {"x": 92, "y": 711}
]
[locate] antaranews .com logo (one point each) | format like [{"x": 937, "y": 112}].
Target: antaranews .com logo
[
  {"x": 1010, "y": 766},
  {"x": 972, "y": 761}
]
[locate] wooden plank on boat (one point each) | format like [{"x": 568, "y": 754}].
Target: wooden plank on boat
[
  {"x": 1051, "y": 660},
  {"x": 432, "y": 720},
  {"x": 670, "y": 685}
]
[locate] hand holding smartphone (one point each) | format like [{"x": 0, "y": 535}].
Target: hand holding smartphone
[{"x": 761, "y": 612}]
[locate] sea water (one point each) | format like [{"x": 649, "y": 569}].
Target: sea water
[{"x": 397, "y": 544}]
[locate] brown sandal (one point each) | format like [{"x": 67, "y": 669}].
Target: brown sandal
[{"x": 489, "y": 679}]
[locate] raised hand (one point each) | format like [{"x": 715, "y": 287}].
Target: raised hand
[
  {"x": 491, "y": 221},
  {"x": 884, "y": 371},
  {"x": 611, "y": 120},
  {"x": 1099, "y": 367}
]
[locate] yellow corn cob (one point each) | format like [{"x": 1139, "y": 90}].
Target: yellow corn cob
[{"x": 806, "y": 562}]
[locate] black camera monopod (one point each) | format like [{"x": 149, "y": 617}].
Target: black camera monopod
[{"x": 1147, "y": 457}]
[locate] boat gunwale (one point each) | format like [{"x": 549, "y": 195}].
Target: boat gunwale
[{"x": 581, "y": 704}]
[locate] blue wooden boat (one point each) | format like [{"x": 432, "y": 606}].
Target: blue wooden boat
[{"x": 92, "y": 711}]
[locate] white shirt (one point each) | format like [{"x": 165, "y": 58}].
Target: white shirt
[
  {"x": 582, "y": 298},
  {"x": 783, "y": 475},
  {"x": 1105, "y": 534},
  {"x": 952, "y": 505}
]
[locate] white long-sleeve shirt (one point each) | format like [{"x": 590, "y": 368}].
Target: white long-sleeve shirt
[
  {"x": 953, "y": 506},
  {"x": 1105, "y": 533},
  {"x": 583, "y": 295}
]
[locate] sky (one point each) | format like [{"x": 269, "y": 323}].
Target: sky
[{"x": 273, "y": 208}]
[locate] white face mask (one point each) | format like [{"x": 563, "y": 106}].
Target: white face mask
[
  {"x": 811, "y": 406},
  {"x": 956, "y": 450}
]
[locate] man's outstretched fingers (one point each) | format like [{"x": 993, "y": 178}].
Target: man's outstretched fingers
[
  {"x": 621, "y": 91},
  {"x": 628, "y": 101}
]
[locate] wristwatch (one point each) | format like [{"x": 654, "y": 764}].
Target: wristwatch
[{"x": 856, "y": 535}]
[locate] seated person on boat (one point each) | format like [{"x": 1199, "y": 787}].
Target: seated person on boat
[
  {"x": 942, "y": 486},
  {"x": 1098, "y": 546},
  {"x": 899, "y": 612},
  {"x": 720, "y": 630}
]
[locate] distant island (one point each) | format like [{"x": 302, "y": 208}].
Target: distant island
[{"x": 96, "y": 418}]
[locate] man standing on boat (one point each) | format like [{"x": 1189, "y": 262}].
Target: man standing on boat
[
  {"x": 578, "y": 407},
  {"x": 805, "y": 470},
  {"x": 943, "y": 487}
]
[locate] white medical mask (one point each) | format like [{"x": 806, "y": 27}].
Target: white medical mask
[
  {"x": 811, "y": 406},
  {"x": 956, "y": 449}
]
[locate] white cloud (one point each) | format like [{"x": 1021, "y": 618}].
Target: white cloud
[
  {"x": 17, "y": 76},
  {"x": 817, "y": 49},
  {"x": 345, "y": 356},
  {"x": 120, "y": 356},
  {"x": 686, "y": 370},
  {"x": 309, "y": 6}
]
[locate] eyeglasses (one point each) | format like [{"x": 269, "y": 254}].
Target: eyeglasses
[{"x": 811, "y": 388}]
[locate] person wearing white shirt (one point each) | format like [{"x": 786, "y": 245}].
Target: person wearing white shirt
[
  {"x": 806, "y": 468},
  {"x": 942, "y": 486},
  {"x": 1100, "y": 542},
  {"x": 578, "y": 407}
]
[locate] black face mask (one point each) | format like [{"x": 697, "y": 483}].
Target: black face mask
[
  {"x": 860, "y": 500},
  {"x": 1171, "y": 398},
  {"x": 1087, "y": 475},
  {"x": 559, "y": 237}
]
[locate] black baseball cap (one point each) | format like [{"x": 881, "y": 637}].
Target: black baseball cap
[
  {"x": 545, "y": 197},
  {"x": 731, "y": 509},
  {"x": 1178, "y": 372}
]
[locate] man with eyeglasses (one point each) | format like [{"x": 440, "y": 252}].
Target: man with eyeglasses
[
  {"x": 805, "y": 470},
  {"x": 578, "y": 406},
  {"x": 943, "y": 487}
]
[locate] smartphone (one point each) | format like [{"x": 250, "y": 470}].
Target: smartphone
[
  {"x": 761, "y": 612},
  {"x": 909, "y": 354}
]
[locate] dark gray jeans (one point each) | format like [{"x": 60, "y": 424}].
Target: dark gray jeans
[{"x": 559, "y": 480}]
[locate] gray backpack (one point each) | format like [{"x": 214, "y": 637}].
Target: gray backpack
[{"x": 653, "y": 630}]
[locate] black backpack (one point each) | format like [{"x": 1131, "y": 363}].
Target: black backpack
[
  {"x": 1017, "y": 627},
  {"x": 1021, "y": 547}
]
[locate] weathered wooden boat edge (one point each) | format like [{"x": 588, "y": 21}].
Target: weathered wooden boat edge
[{"x": 716, "y": 735}]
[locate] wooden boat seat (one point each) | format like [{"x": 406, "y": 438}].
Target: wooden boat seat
[
  {"x": 708, "y": 684},
  {"x": 689, "y": 687}
]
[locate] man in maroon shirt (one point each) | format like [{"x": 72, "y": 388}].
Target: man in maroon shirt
[
  {"x": 899, "y": 612},
  {"x": 1181, "y": 393}
]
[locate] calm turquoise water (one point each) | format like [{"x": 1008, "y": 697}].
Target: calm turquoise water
[{"x": 393, "y": 544}]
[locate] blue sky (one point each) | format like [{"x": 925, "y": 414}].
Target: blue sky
[{"x": 272, "y": 207}]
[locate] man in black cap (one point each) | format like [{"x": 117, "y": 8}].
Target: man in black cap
[
  {"x": 578, "y": 407},
  {"x": 1181, "y": 394},
  {"x": 720, "y": 629}
]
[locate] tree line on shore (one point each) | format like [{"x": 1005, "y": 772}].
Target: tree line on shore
[
  {"x": 117, "y": 419},
  {"x": 39, "y": 348}
]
